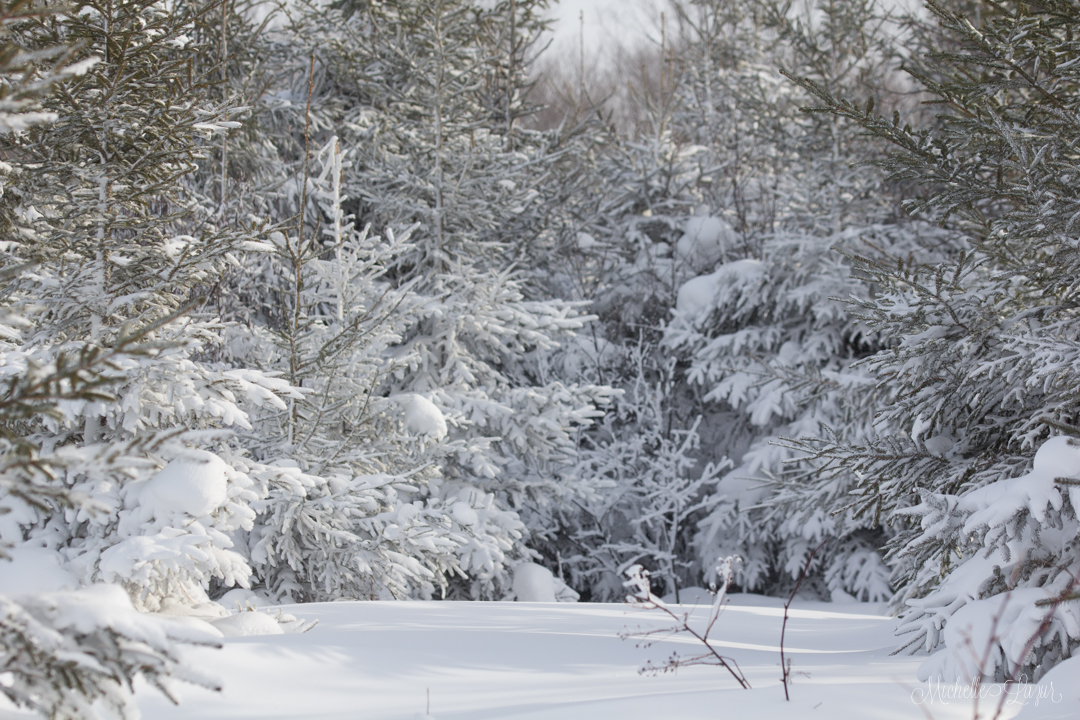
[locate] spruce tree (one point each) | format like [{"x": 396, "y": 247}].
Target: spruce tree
[
  {"x": 73, "y": 653},
  {"x": 977, "y": 418},
  {"x": 426, "y": 98},
  {"x": 725, "y": 259},
  {"x": 120, "y": 248},
  {"x": 356, "y": 516}
]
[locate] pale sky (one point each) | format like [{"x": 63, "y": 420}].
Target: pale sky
[
  {"x": 611, "y": 22},
  {"x": 606, "y": 23}
]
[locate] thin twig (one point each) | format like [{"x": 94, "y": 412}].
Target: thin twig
[
  {"x": 642, "y": 597},
  {"x": 785, "y": 665}
]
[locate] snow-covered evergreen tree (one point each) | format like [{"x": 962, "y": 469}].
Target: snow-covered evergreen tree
[
  {"x": 119, "y": 250},
  {"x": 768, "y": 338},
  {"x": 424, "y": 97},
  {"x": 72, "y": 652},
  {"x": 356, "y": 516},
  {"x": 977, "y": 417},
  {"x": 725, "y": 258}
]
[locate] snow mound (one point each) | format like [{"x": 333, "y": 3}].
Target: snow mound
[
  {"x": 1058, "y": 691},
  {"x": 1058, "y": 457},
  {"x": 533, "y": 583},
  {"x": 196, "y": 484},
  {"x": 696, "y": 294},
  {"x": 699, "y": 294},
  {"x": 104, "y": 605},
  {"x": 838, "y": 595},
  {"x": 564, "y": 593},
  {"x": 422, "y": 417},
  {"x": 704, "y": 242},
  {"x": 997, "y": 503},
  {"x": 464, "y": 514},
  {"x": 248, "y": 624},
  {"x": 34, "y": 570},
  {"x": 241, "y": 598}
]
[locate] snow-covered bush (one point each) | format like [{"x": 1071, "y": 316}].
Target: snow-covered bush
[{"x": 648, "y": 487}]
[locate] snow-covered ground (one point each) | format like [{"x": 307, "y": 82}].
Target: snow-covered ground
[{"x": 551, "y": 661}]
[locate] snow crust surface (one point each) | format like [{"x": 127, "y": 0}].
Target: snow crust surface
[{"x": 549, "y": 661}]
